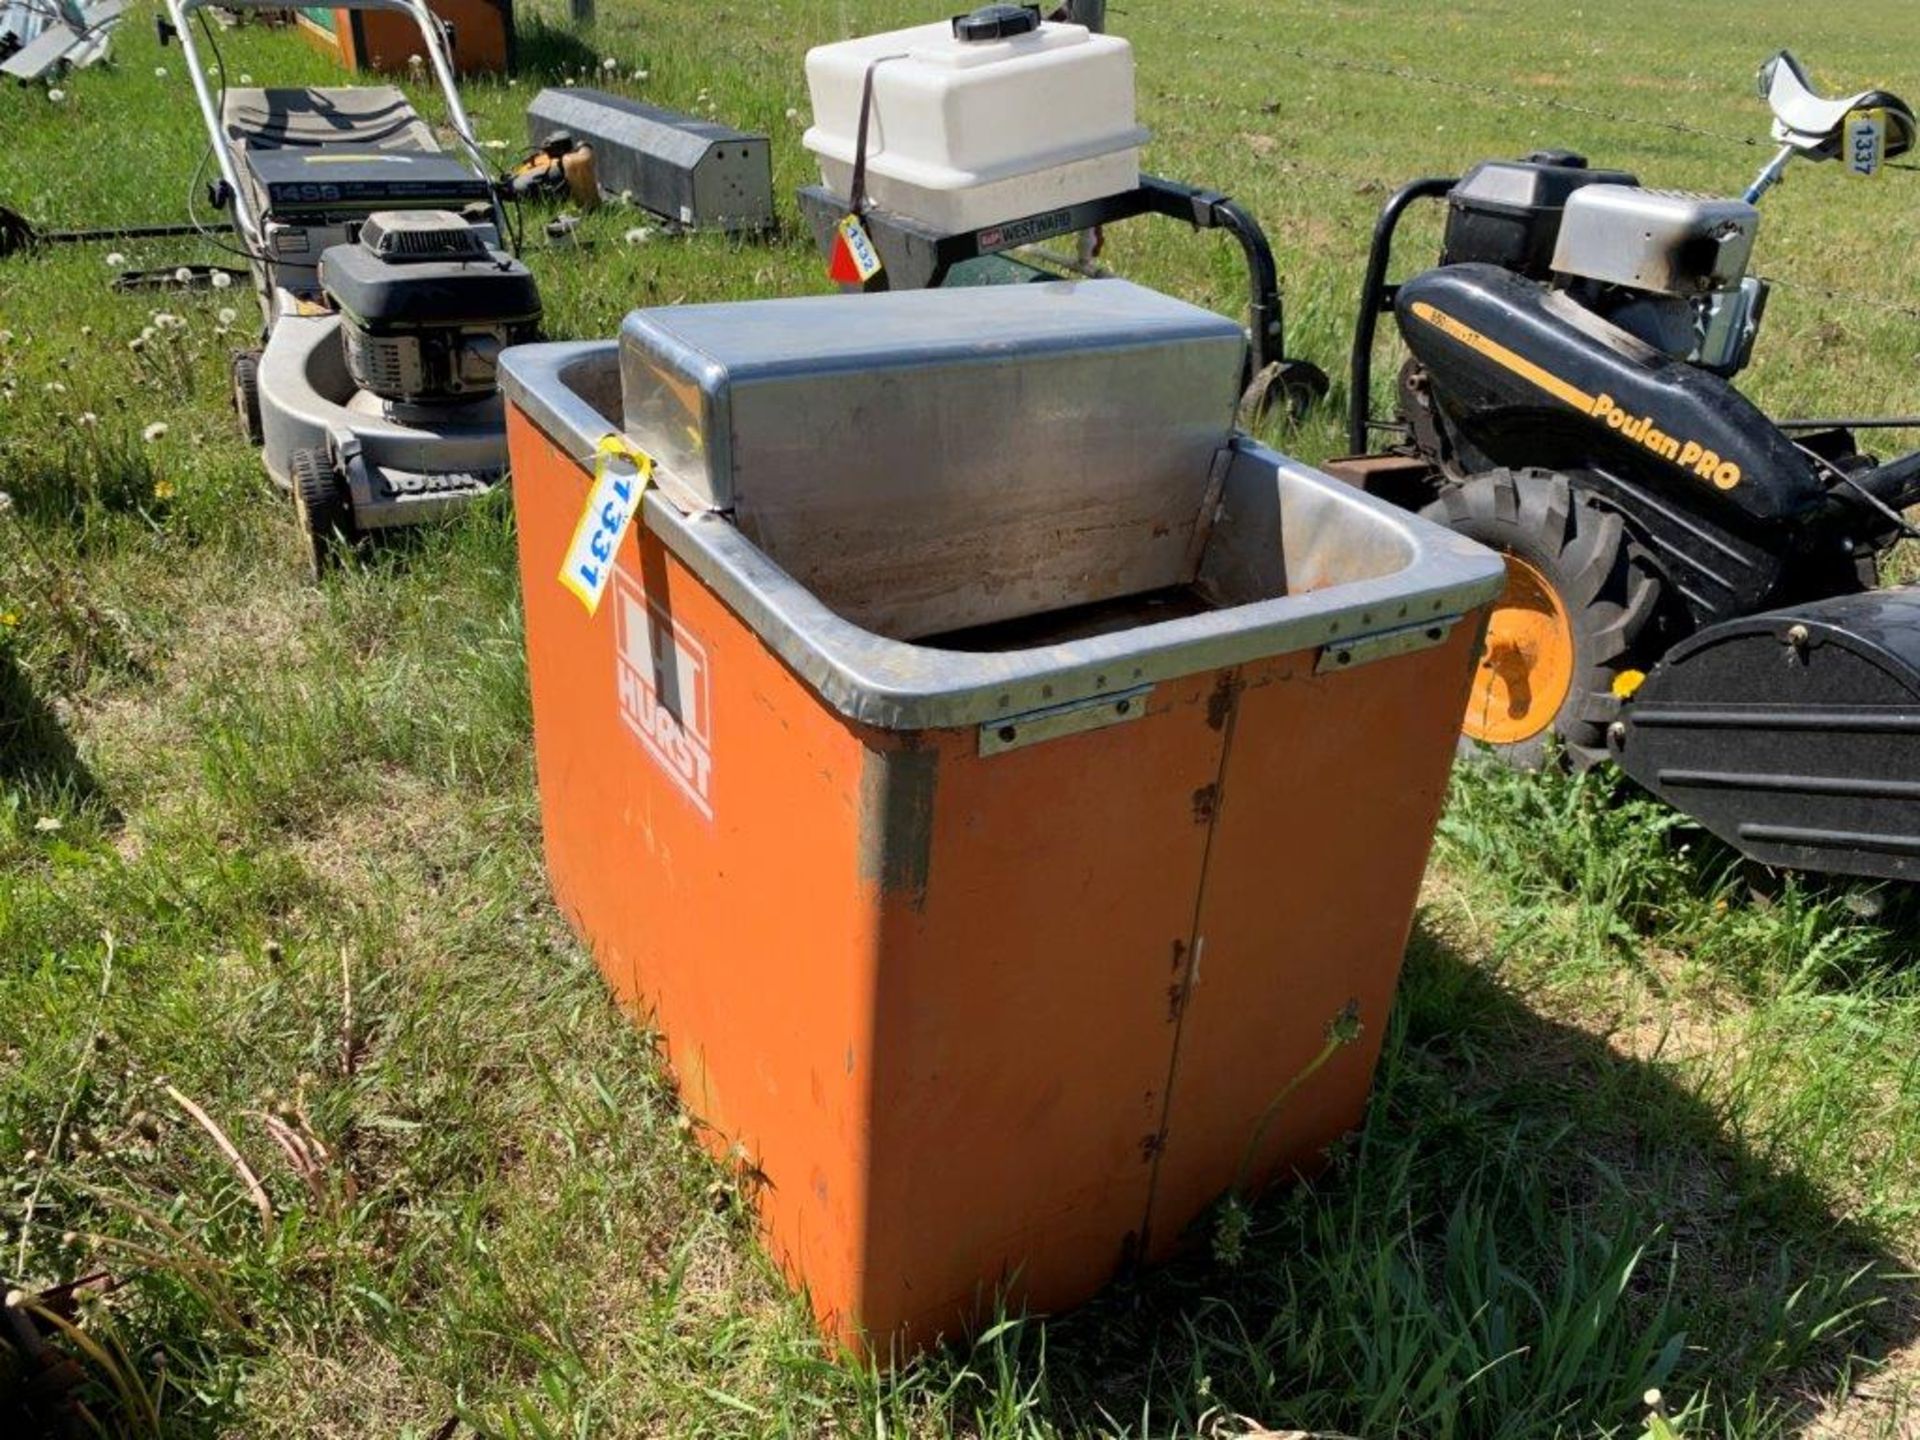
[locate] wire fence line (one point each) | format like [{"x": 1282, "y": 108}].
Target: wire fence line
[{"x": 1369, "y": 184}]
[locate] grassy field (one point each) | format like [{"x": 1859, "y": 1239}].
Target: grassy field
[{"x": 270, "y": 850}]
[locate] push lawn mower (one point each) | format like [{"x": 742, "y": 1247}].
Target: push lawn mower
[
  {"x": 385, "y": 294},
  {"x": 1689, "y": 581}
]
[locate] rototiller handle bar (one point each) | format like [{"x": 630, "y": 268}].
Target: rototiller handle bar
[{"x": 1376, "y": 297}]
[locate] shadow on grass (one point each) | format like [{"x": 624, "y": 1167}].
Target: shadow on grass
[
  {"x": 37, "y": 757},
  {"x": 1531, "y": 1230},
  {"x": 546, "y": 52}
]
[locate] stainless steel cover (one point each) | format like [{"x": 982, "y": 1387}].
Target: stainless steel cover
[
  {"x": 1664, "y": 241},
  {"x": 928, "y": 460},
  {"x": 1295, "y": 561}
]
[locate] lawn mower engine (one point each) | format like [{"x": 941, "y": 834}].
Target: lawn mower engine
[{"x": 426, "y": 306}]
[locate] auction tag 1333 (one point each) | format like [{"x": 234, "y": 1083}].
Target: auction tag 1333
[{"x": 621, "y": 473}]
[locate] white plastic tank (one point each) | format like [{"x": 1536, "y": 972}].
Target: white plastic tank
[{"x": 992, "y": 116}]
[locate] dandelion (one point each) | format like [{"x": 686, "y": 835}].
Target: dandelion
[
  {"x": 792, "y": 113},
  {"x": 159, "y": 72},
  {"x": 228, "y": 315},
  {"x": 164, "y": 320},
  {"x": 6, "y": 502},
  {"x": 86, "y": 330},
  {"x": 220, "y": 280},
  {"x": 87, "y": 420},
  {"x": 48, "y": 825},
  {"x": 154, "y": 431},
  {"x": 115, "y": 259},
  {"x": 639, "y": 235},
  {"x": 56, "y": 95},
  {"x": 643, "y": 74},
  {"x": 9, "y": 619},
  {"x": 245, "y": 78},
  {"x": 163, "y": 489},
  {"x": 54, "y": 387},
  {"x": 609, "y": 64},
  {"x": 138, "y": 342},
  {"x": 415, "y": 62},
  {"x": 183, "y": 275}
]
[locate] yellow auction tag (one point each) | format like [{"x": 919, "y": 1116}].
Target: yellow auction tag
[
  {"x": 854, "y": 261},
  {"x": 1866, "y": 140},
  {"x": 621, "y": 474}
]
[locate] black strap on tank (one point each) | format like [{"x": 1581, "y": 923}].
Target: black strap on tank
[{"x": 857, "y": 201}]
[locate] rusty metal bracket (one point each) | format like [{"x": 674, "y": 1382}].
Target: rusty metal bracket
[
  {"x": 1350, "y": 654},
  {"x": 1018, "y": 731}
]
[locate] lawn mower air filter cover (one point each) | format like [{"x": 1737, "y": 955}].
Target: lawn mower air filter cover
[{"x": 426, "y": 306}]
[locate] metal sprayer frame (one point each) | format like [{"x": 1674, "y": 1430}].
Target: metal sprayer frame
[{"x": 246, "y": 221}]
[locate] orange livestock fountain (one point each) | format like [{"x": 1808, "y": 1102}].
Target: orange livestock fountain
[{"x": 990, "y": 774}]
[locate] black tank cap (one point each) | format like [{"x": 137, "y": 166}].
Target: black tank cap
[{"x": 996, "y": 22}]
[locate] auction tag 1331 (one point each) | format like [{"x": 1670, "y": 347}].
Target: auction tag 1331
[{"x": 621, "y": 473}]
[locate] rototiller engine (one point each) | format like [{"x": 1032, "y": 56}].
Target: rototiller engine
[{"x": 1690, "y": 582}]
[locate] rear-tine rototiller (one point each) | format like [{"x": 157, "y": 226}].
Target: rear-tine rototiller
[{"x": 1690, "y": 582}]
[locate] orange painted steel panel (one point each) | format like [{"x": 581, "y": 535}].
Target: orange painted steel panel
[
  {"x": 934, "y": 998},
  {"x": 483, "y": 36},
  {"x": 1327, "y": 806}
]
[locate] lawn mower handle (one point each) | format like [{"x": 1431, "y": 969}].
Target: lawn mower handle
[
  {"x": 1376, "y": 297},
  {"x": 246, "y": 221}
]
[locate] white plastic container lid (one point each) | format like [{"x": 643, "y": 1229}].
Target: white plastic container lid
[{"x": 950, "y": 114}]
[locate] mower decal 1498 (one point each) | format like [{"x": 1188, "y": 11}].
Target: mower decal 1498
[{"x": 1689, "y": 455}]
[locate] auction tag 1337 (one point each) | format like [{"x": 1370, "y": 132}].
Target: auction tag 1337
[
  {"x": 1866, "y": 140},
  {"x": 621, "y": 472}
]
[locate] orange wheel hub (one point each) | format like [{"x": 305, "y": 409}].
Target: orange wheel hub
[{"x": 1526, "y": 667}]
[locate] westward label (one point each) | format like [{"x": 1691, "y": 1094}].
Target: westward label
[
  {"x": 660, "y": 669},
  {"x": 1025, "y": 232}
]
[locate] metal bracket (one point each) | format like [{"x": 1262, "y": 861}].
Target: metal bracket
[
  {"x": 1015, "y": 732},
  {"x": 1351, "y": 654}
]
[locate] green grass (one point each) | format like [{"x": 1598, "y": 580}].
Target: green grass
[{"x": 275, "y": 847}]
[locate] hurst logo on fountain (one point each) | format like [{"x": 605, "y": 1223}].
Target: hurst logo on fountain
[{"x": 661, "y": 676}]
